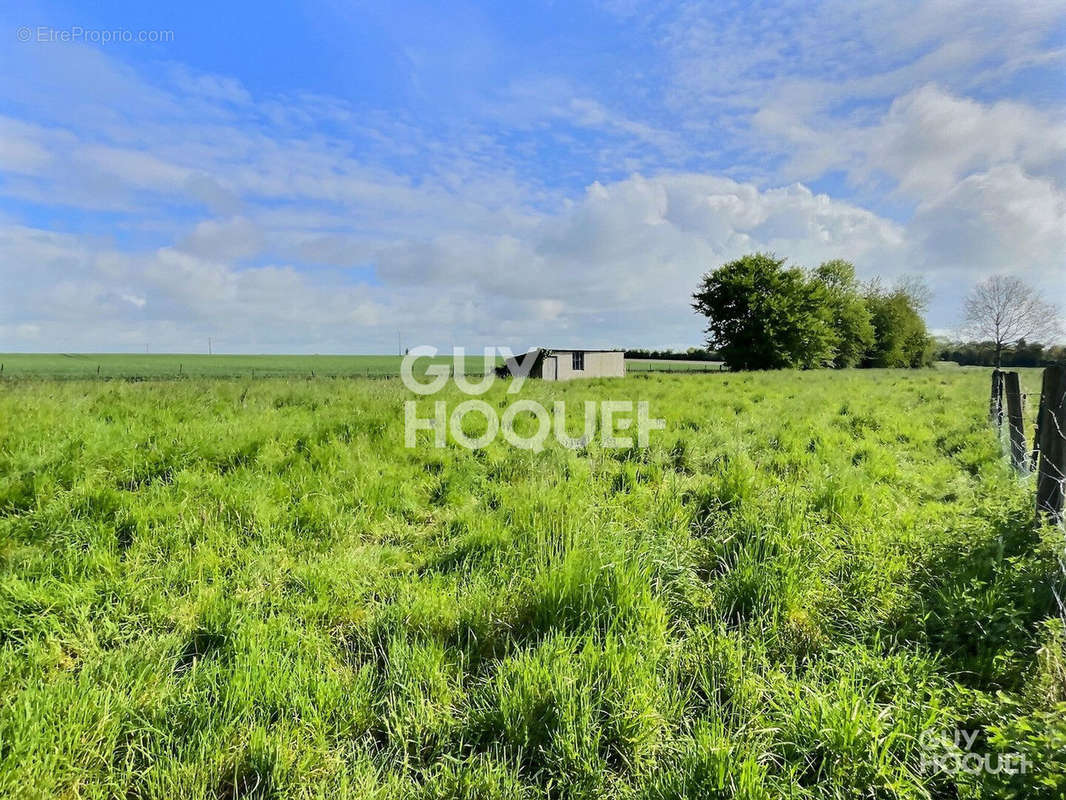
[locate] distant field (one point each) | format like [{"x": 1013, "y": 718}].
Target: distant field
[
  {"x": 671, "y": 365},
  {"x": 126, "y": 365},
  {"x": 132, "y": 365}
]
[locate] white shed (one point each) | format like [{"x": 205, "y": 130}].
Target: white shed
[{"x": 563, "y": 364}]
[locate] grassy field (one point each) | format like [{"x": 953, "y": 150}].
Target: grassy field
[
  {"x": 126, "y": 365},
  {"x": 670, "y": 365},
  {"x": 223, "y": 589}
]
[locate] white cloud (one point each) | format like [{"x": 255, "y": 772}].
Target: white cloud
[
  {"x": 823, "y": 54},
  {"x": 232, "y": 239},
  {"x": 19, "y": 152},
  {"x": 930, "y": 140},
  {"x": 136, "y": 169},
  {"x": 987, "y": 182},
  {"x": 617, "y": 267},
  {"x": 1002, "y": 220},
  {"x": 134, "y": 300},
  {"x": 926, "y": 142},
  {"x": 296, "y": 221}
]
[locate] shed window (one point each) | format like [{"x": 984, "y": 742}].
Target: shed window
[{"x": 578, "y": 361}]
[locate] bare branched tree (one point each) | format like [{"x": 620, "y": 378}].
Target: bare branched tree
[
  {"x": 914, "y": 286},
  {"x": 1004, "y": 310}
]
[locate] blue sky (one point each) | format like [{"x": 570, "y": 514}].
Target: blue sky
[{"x": 315, "y": 178}]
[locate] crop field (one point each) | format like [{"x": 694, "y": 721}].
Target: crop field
[
  {"x": 125, "y": 365},
  {"x": 224, "y": 588}
]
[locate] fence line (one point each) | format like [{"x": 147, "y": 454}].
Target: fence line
[
  {"x": 1048, "y": 454},
  {"x": 1051, "y": 444}
]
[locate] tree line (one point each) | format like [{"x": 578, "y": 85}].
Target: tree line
[
  {"x": 984, "y": 354},
  {"x": 763, "y": 314},
  {"x": 691, "y": 354}
]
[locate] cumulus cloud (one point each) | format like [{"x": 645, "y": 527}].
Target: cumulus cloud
[
  {"x": 930, "y": 140},
  {"x": 614, "y": 268},
  {"x": 925, "y": 142},
  {"x": 195, "y": 209},
  {"x": 1001, "y": 220},
  {"x": 617, "y": 267},
  {"x": 987, "y": 184}
]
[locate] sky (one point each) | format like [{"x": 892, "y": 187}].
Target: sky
[{"x": 337, "y": 177}]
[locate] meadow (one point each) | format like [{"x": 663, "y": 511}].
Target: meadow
[
  {"x": 671, "y": 365},
  {"x": 227, "y": 588},
  {"x": 164, "y": 365},
  {"x": 199, "y": 365}
]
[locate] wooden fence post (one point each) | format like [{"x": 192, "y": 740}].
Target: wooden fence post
[
  {"x": 1015, "y": 420},
  {"x": 1052, "y": 420},
  {"x": 1034, "y": 459},
  {"x": 995, "y": 401}
]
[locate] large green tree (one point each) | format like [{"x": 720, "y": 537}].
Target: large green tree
[
  {"x": 763, "y": 315},
  {"x": 849, "y": 315},
  {"x": 900, "y": 337}
]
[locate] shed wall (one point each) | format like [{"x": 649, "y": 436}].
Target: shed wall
[{"x": 597, "y": 365}]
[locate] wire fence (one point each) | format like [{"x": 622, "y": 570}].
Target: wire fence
[{"x": 1047, "y": 454}]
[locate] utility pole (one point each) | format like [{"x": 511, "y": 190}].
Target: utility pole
[{"x": 209, "y": 346}]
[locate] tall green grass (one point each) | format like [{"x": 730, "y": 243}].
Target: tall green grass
[{"x": 251, "y": 589}]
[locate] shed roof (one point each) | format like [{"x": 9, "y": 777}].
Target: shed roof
[{"x": 582, "y": 350}]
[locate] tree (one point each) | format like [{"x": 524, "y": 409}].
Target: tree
[
  {"x": 916, "y": 290},
  {"x": 900, "y": 337},
  {"x": 849, "y": 316},
  {"x": 763, "y": 315},
  {"x": 1005, "y": 310}
]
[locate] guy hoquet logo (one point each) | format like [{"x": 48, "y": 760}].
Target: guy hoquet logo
[
  {"x": 952, "y": 752},
  {"x": 605, "y": 418}
]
